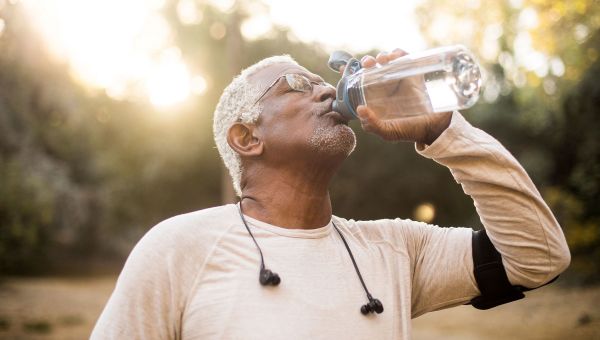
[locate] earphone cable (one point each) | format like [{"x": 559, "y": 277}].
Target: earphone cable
[
  {"x": 262, "y": 260},
  {"x": 353, "y": 262}
]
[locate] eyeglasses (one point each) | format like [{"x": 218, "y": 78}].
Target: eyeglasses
[{"x": 296, "y": 82}]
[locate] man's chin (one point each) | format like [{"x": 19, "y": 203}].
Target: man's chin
[{"x": 337, "y": 140}]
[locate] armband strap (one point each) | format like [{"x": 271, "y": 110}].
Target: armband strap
[{"x": 490, "y": 275}]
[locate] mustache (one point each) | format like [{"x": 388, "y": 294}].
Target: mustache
[{"x": 323, "y": 108}]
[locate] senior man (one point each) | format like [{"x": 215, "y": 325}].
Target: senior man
[{"x": 196, "y": 276}]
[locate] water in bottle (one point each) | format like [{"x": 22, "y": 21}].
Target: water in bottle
[{"x": 437, "y": 80}]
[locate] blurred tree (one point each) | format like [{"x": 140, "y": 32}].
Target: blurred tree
[
  {"x": 83, "y": 174},
  {"x": 45, "y": 163},
  {"x": 540, "y": 98},
  {"x": 576, "y": 174}
]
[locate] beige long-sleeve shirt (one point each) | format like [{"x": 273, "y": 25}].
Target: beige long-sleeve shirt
[{"x": 195, "y": 276}]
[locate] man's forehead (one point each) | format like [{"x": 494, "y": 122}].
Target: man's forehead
[{"x": 266, "y": 76}]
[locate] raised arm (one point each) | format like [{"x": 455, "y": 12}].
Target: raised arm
[{"x": 517, "y": 220}]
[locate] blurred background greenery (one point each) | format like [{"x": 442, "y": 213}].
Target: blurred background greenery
[{"x": 91, "y": 158}]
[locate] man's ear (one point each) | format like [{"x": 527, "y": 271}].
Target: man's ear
[{"x": 241, "y": 137}]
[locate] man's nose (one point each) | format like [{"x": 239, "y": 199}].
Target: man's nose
[{"x": 324, "y": 92}]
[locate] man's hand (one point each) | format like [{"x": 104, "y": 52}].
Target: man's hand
[{"x": 424, "y": 128}]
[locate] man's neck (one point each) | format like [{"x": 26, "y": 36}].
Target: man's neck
[{"x": 289, "y": 199}]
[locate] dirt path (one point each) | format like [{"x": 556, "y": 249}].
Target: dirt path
[
  {"x": 52, "y": 308},
  {"x": 61, "y": 308},
  {"x": 548, "y": 313}
]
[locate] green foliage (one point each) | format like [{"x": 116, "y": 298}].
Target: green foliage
[
  {"x": 576, "y": 173},
  {"x": 4, "y": 323},
  {"x": 38, "y": 326},
  {"x": 569, "y": 209},
  {"x": 84, "y": 175},
  {"x": 546, "y": 116},
  {"x": 26, "y": 211}
]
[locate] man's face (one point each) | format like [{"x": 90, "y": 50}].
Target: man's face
[{"x": 299, "y": 124}]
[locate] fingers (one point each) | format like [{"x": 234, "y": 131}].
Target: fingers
[
  {"x": 369, "y": 121},
  {"x": 365, "y": 115},
  {"x": 368, "y": 61},
  {"x": 382, "y": 58},
  {"x": 413, "y": 128},
  {"x": 397, "y": 53}
]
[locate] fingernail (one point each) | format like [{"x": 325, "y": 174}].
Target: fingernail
[{"x": 399, "y": 51}]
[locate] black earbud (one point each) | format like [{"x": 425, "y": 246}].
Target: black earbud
[
  {"x": 268, "y": 278},
  {"x": 374, "y": 305},
  {"x": 265, "y": 277}
]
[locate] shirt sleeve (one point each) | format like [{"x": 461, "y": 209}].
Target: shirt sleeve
[
  {"x": 517, "y": 220},
  {"x": 441, "y": 265},
  {"x": 151, "y": 289}
]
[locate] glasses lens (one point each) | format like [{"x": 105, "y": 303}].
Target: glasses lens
[{"x": 298, "y": 82}]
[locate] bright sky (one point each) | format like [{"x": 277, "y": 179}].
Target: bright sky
[
  {"x": 357, "y": 25},
  {"x": 120, "y": 45}
]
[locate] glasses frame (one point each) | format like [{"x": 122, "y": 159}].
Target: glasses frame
[{"x": 288, "y": 78}]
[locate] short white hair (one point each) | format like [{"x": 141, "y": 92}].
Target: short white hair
[{"x": 237, "y": 105}]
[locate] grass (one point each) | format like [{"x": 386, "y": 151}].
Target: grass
[
  {"x": 4, "y": 323},
  {"x": 37, "y": 326},
  {"x": 71, "y": 320}
]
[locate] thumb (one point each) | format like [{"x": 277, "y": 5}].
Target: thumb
[{"x": 370, "y": 122}]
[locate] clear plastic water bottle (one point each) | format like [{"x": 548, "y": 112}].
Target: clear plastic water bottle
[{"x": 437, "y": 80}]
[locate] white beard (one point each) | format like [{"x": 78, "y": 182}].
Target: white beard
[{"x": 339, "y": 139}]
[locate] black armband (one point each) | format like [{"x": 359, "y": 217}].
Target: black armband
[{"x": 491, "y": 276}]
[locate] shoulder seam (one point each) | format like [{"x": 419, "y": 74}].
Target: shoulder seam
[{"x": 203, "y": 266}]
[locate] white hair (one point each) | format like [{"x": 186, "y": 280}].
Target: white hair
[{"x": 237, "y": 105}]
